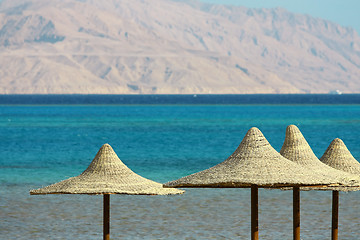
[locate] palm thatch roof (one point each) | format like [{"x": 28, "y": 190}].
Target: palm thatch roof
[
  {"x": 107, "y": 174},
  {"x": 255, "y": 161},
  {"x": 297, "y": 149},
  {"x": 339, "y": 157}
]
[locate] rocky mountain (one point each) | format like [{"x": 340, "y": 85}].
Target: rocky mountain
[{"x": 170, "y": 46}]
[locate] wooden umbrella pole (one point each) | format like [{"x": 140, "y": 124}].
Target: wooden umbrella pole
[
  {"x": 254, "y": 213},
  {"x": 335, "y": 215},
  {"x": 296, "y": 213},
  {"x": 106, "y": 217}
]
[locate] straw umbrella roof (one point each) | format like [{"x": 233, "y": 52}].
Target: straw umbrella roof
[
  {"x": 255, "y": 161},
  {"x": 297, "y": 149},
  {"x": 107, "y": 174},
  {"x": 339, "y": 157}
]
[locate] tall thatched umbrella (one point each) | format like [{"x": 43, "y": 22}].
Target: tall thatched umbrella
[
  {"x": 296, "y": 149},
  {"x": 106, "y": 175},
  {"x": 339, "y": 157},
  {"x": 255, "y": 163}
]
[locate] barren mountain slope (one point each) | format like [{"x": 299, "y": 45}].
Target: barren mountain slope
[{"x": 164, "y": 46}]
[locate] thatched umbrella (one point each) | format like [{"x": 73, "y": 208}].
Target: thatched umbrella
[
  {"x": 296, "y": 149},
  {"x": 338, "y": 156},
  {"x": 255, "y": 163},
  {"x": 106, "y": 175}
]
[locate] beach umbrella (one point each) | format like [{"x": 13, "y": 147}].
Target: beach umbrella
[
  {"x": 338, "y": 156},
  {"x": 255, "y": 163},
  {"x": 106, "y": 175},
  {"x": 297, "y": 149}
]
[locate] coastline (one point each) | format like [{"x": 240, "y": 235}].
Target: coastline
[{"x": 219, "y": 99}]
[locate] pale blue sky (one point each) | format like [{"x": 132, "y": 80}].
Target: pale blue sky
[{"x": 343, "y": 12}]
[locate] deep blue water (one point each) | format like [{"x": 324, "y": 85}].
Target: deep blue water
[
  {"x": 184, "y": 99},
  {"x": 45, "y": 139}
]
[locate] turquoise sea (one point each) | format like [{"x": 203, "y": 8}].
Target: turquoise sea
[{"x": 45, "y": 139}]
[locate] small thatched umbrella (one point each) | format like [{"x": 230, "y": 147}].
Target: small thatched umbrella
[
  {"x": 106, "y": 175},
  {"x": 338, "y": 156},
  {"x": 255, "y": 163},
  {"x": 296, "y": 149}
]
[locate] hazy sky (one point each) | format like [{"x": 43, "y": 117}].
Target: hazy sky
[{"x": 343, "y": 12}]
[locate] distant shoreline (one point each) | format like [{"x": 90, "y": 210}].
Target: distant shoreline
[{"x": 173, "y": 99}]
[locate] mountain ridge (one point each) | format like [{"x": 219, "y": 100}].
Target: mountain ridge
[{"x": 170, "y": 47}]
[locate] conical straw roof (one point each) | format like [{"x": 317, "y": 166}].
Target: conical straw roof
[
  {"x": 339, "y": 157},
  {"x": 255, "y": 161},
  {"x": 296, "y": 149},
  {"x": 107, "y": 174}
]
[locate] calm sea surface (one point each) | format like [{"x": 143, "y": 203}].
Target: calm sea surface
[{"x": 45, "y": 139}]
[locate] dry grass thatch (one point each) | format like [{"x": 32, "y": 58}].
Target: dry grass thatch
[
  {"x": 255, "y": 161},
  {"x": 107, "y": 174},
  {"x": 296, "y": 149},
  {"x": 339, "y": 157}
]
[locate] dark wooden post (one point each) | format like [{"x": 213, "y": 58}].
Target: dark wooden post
[
  {"x": 335, "y": 215},
  {"x": 254, "y": 213},
  {"x": 296, "y": 213},
  {"x": 106, "y": 217}
]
